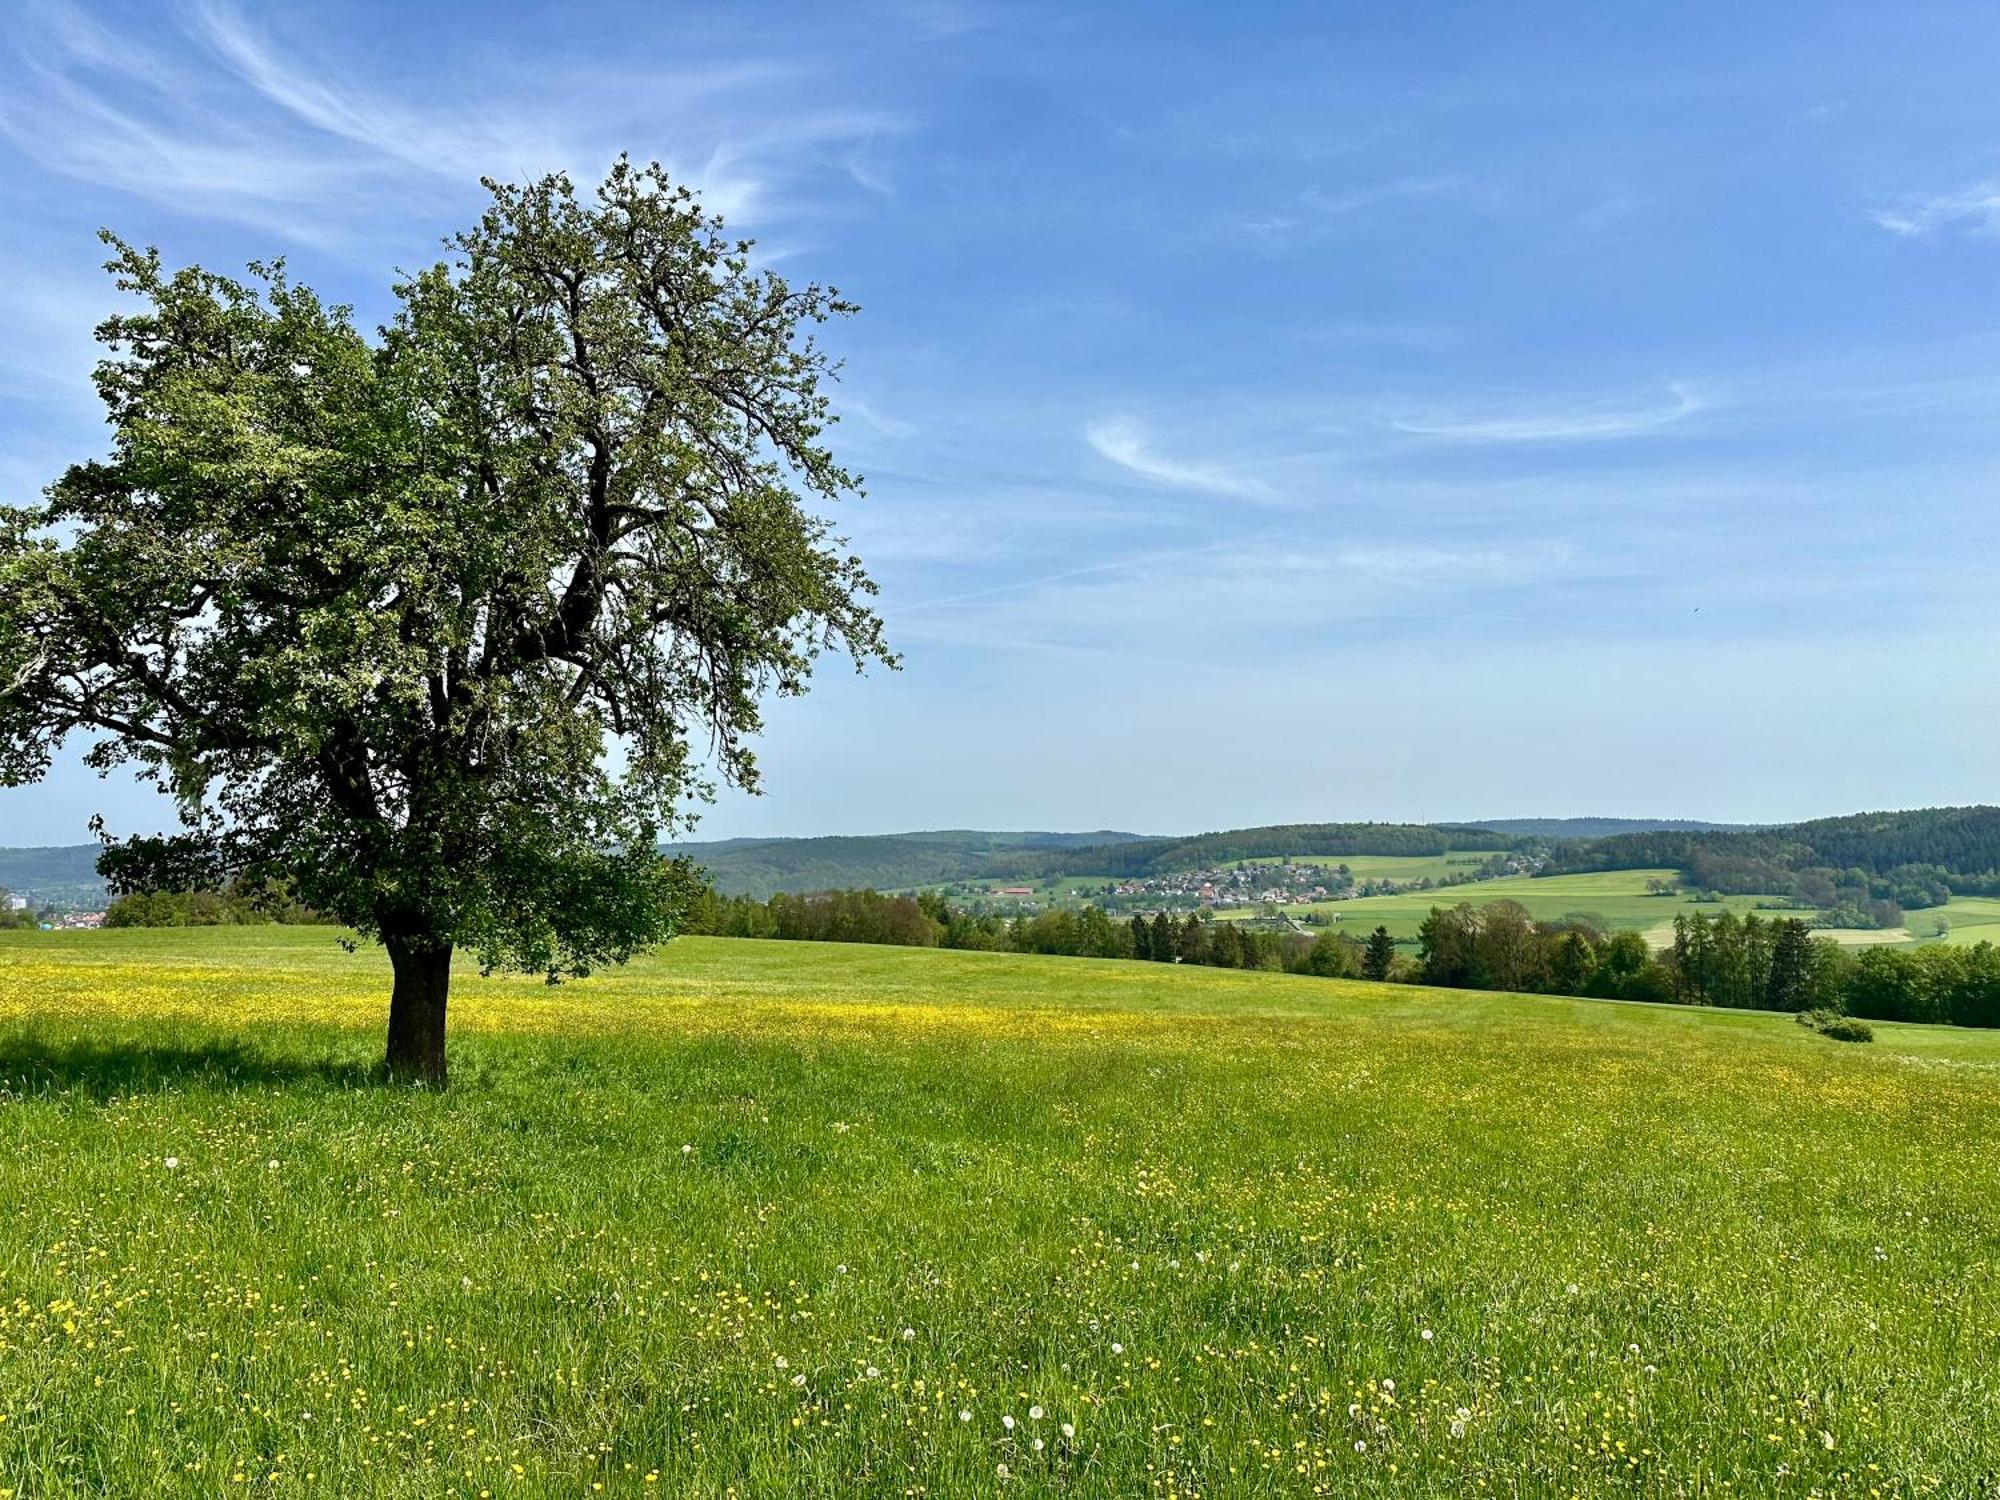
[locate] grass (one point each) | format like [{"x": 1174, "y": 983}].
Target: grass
[
  {"x": 1618, "y": 898},
  {"x": 763, "y": 1219},
  {"x": 1973, "y": 919}
]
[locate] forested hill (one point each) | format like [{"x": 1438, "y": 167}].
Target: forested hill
[
  {"x": 1599, "y": 828},
  {"x": 1907, "y": 854},
  {"x": 886, "y": 861},
  {"x": 1203, "y": 850},
  {"x": 65, "y": 873}
]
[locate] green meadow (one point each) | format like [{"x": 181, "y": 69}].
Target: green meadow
[
  {"x": 770, "y": 1219},
  {"x": 1618, "y": 899}
]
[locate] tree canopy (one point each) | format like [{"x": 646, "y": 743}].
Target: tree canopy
[{"x": 444, "y": 627}]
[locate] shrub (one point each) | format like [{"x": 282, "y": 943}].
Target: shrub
[{"x": 1831, "y": 1023}]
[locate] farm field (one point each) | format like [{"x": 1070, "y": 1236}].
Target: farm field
[
  {"x": 1973, "y": 919},
  {"x": 781, "y": 1219},
  {"x": 1618, "y": 897}
]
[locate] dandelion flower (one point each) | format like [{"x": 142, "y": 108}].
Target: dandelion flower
[
  {"x": 1069, "y": 1429},
  {"x": 1389, "y": 1386},
  {"x": 1034, "y": 1414},
  {"x": 908, "y": 1334},
  {"x": 965, "y": 1416},
  {"x": 873, "y": 1372},
  {"x": 172, "y": 1163},
  {"x": 1117, "y": 1348},
  {"x": 1360, "y": 1446},
  {"x": 1000, "y": 1471},
  {"x": 1007, "y": 1422},
  {"x": 1426, "y": 1335}
]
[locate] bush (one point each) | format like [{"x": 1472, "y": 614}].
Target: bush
[{"x": 1831, "y": 1023}]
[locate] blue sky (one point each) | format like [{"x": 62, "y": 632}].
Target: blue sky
[{"x": 1269, "y": 413}]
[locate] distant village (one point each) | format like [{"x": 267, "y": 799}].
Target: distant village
[
  {"x": 1229, "y": 887},
  {"x": 19, "y": 910}
]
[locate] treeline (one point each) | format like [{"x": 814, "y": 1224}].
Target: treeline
[
  {"x": 1744, "y": 962},
  {"x": 1859, "y": 864},
  {"x": 928, "y": 921},
  {"x": 239, "y": 905}
]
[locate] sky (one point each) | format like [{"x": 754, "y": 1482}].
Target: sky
[{"x": 1269, "y": 413}]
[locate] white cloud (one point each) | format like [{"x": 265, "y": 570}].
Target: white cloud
[
  {"x": 1589, "y": 423},
  {"x": 220, "y": 120},
  {"x": 1125, "y": 445},
  {"x": 1975, "y": 209}
]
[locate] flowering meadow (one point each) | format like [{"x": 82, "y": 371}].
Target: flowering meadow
[{"x": 769, "y": 1219}]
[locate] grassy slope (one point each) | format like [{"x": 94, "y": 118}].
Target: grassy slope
[
  {"x": 677, "y": 1220},
  {"x": 1618, "y": 896}
]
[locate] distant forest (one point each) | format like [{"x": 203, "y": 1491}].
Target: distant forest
[{"x": 1911, "y": 859}]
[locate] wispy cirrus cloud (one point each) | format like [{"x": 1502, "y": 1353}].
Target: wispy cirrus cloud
[
  {"x": 216, "y": 116},
  {"x": 1592, "y": 422},
  {"x": 1974, "y": 209},
  {"x": 1125, "y": 444}
]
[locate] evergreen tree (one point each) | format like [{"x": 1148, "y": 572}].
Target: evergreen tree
[
  {"x": 1194, "y": 940},
  {"x": 1791, "y": 974},
  {"x": 1166, "y": 939},
  {"x": 1380, "y": 956},
  {"x": 1142, "y": 937}
]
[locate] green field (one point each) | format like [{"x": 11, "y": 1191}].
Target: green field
[
  {"x": 1973, "y": 919},
  {"x": 1618, "y": 898},
  {"x": 765, "y": 1219}
]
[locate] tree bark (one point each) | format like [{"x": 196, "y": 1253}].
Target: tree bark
[{"x": 416, "y": 1010}]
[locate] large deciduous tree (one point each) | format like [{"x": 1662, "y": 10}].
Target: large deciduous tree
[{"x": 444, "y": 627}]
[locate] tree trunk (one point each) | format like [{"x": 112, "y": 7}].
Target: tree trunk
[{"x": 416, "y": 1010}]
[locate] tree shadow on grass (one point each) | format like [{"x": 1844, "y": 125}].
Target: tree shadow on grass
[{"x": 41, "y": 1067}]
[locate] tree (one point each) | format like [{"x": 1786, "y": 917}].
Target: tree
[
  {"x": 1194, "y": 940},
  {"x": 1574, "y": 961},
  {"x": 1791, "y": 966},
  {"x": 1447, "y": 945},
  {"x": 1331, "y": 956},
  {"x": 1380, "y": 955},
  {"x": 430, "y": 625},
  {"x": 1142, "y": 937},
  {"x": 1507, "y": 949},
  {"x": 1166, "y": 939}
]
